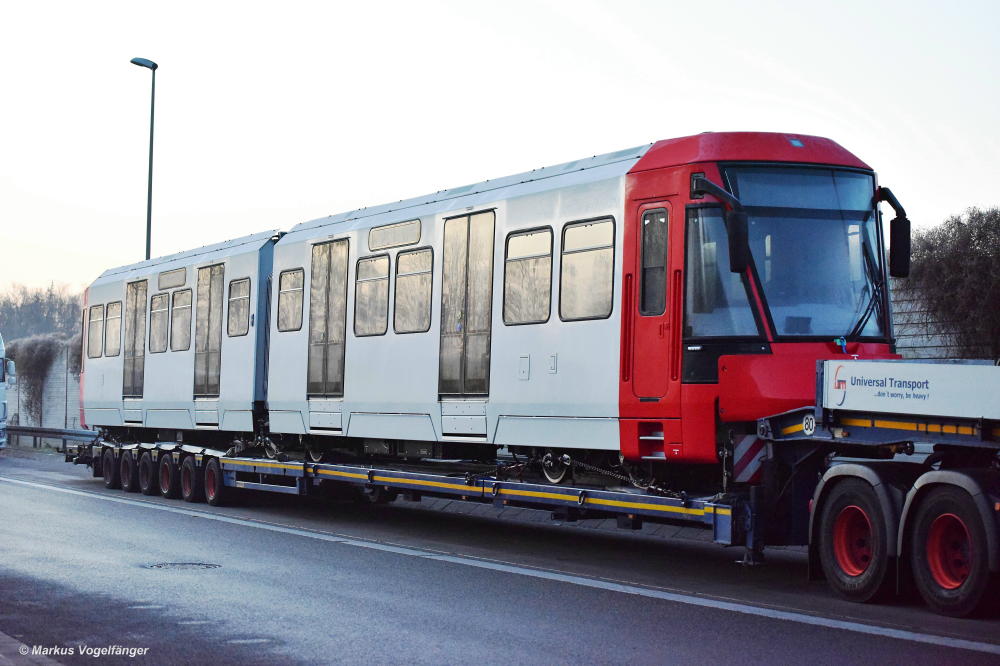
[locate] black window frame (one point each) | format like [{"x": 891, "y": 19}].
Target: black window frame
[
  {"x": 173, "y": 309},
  {"x": 121, "y": 319},
  {"x": 210, "y": 380},
  {"x": 166, "y": 332},
  {"x": 430, "y": 299},
  {"x": 562, "y": 254},
  {"x": 90, "y": 323},
  {"x": 229, "y": 309},
  {"x": 137, "y": 351},
  {"x": 167, "y": 287},
  {"x": 302, "y": 300},
  {"x": 388, "y": 291},
  {"x": 381, "y": 248},
  {"x": 552, "y": 267},
  {"x": 342, "y": 322},
  {"x": 642, "y": 260}
]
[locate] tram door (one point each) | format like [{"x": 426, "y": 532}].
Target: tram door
[
  {"x": 654, "y": 326},
  {"x": 466, "y": 297}
]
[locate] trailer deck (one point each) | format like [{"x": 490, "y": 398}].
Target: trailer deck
[{"x": 568, "y": 503}]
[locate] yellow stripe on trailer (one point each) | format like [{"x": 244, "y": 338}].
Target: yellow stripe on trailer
[
  {"x": 429, "y": 484},
  {"x": 247, "y": 463},
  {"x": 788, "y": 430},
  {"x": 345, "y": 475}
]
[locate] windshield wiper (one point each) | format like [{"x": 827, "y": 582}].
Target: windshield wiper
[{"x": 875, "y": 280}]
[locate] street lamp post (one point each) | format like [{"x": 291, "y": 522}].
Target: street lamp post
[{"x": 149, "y": 64}]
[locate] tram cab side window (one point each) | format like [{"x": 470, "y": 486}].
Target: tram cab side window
[
  {"x": 95, "y": 331},
  {"x": 371, "y": 296},
  {"x": 586, "y": 282},
  {"x": 653, "y": 285},
  {"x": 715, "y": 301},
  {"x": 527, "y": 283},
  {"x": 290, "y": 300},
  {"x": 239, "y": 308}
]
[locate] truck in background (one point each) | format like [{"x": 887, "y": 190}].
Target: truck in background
[{"x": 7, "y": 377}]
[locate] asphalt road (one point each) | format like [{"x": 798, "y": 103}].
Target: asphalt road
[{"x": 310, "y": 581}]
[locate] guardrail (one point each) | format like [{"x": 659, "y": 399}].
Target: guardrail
[{"x": 61, "y": 434}]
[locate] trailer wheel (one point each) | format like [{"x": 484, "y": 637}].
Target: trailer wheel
[
  {"x": 148, "y": 484},
  {"x": 170, "y": 481},
  {"x": 949, "y": 555},
  {"x": 129, "y": 473},
  {"x": 215, "y": 487},
  {"x": 192, "y": 483},
  {"x": 853, "y": 548},
  {"x": 110, "y": 470}
]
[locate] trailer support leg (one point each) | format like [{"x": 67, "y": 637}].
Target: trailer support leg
[{"x": 753, "y": 555}]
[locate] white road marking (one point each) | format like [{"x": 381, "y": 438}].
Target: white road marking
[{"x": 623, "y": 588}]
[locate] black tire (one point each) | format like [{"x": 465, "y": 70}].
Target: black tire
[
  {"x": 853, "y": 547},
  {"x": 148, "y": 483},
  {"x": 192, "y": 482},
  {"x": 109, "y": 469},
  {"x": 215, "y": 487},
  {"x": 949, "y": 557},
  {"x": 129, "y": 473},
  {"x": 169, "y": 477}
]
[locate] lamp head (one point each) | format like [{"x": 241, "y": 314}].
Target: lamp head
[{"x": 143, "y": 62}]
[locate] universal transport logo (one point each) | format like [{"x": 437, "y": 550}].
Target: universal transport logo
[
  {"x": 839, "y": 384},
  {"x": 883, "y": 387}
]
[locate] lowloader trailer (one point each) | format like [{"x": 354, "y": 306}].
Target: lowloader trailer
[{"x": 841, "y": 476}]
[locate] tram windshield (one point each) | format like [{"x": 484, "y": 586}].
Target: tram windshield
[{"x": 814, "y": 239}]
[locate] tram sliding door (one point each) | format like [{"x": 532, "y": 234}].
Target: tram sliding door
[{"x": 466, "y": 297}]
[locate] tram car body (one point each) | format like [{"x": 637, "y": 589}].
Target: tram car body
[{"x": 586, "y": 307}]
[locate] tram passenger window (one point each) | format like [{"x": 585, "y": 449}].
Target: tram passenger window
[
  {"x": 371, "y": 296},
  {"x": 208, "y": 331},
  {"x": 180, "y": 321},
  {"x": 327, "y": 319},
  {"x": 113, "y": 329},
  {"x": 95, "y": 331},
  {"x": 653, "y": 286},
  {"x": 290, "y": 300},
  {"x": 239, "y": 308},
  {"x": 412, "y": 312},
  {"x": 586, "y": 283},
  {"x": 527, "y": 281},
  {"x": 134, "y": 365},
  {"x": 159, "y": 314}
]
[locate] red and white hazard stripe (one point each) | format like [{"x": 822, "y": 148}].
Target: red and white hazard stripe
[{"x": 748, "y": 458}]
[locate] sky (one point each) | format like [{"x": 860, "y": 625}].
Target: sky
[{"x": 269, "y": 114}]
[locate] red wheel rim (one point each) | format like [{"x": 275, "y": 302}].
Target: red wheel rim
[
  {"x": 165, "y": 476},
  {"x": 144, "y": 475},
  {"x": 949, "y": 551},
  {"x": 852, "y": 540},
  {"x": 186, "y": 480},
  {"x": 210, "y": 482}
]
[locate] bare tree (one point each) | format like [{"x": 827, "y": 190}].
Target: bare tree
[
  {"x": 25, "y": 311},
  {"x": 956, "y": 273}
]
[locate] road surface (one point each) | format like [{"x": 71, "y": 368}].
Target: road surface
[{"x": 301, "y": 580}]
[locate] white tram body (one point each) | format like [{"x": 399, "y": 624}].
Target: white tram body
[
  {"x": 155, "y": 327},
  {"x": 552, "y": 383}
]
